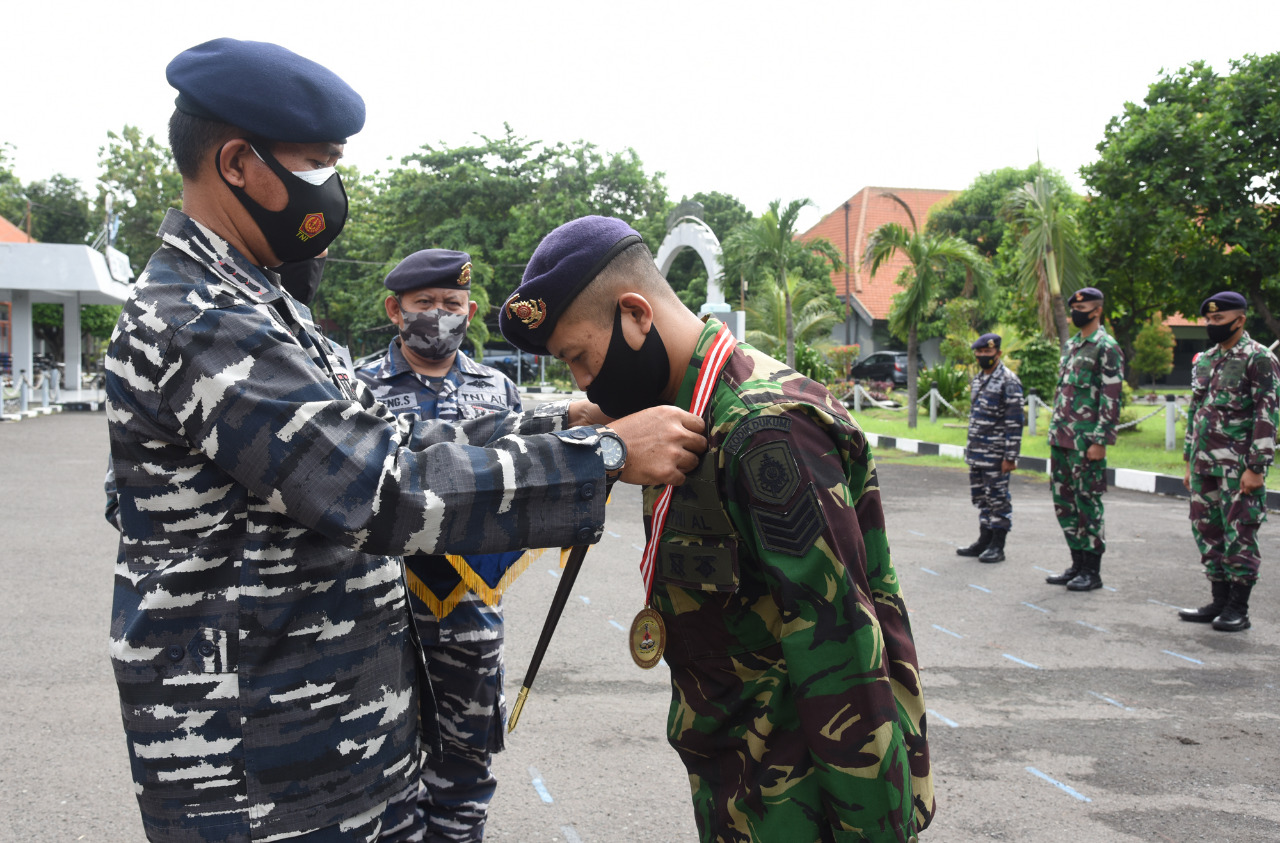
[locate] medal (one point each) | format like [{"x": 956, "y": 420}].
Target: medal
[
  {"x": 648, "y": 638},
  {"x": 648, "y": 632}
]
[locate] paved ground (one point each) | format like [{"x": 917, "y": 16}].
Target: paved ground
[{"x": 1056, "y": 716}]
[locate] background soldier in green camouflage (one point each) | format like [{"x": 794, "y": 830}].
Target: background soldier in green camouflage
[
  {"x": 1085, "y": 411},
  {"x": 797, "y": 707},
  {"x": 1231, "y": 432}
]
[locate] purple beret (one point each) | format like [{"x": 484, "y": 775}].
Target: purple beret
[
  {"x": 1086, "y": 294},
  {"x": 565, "y": 262},
  {"x": 1226, "y": 300},
  {"x": 431, "y": 268},
  {"x": 986, "y": 341},
  {"x": 266, "y": 90}
]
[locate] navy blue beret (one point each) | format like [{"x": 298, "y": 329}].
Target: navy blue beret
[
  {"x": 266, "y": 90},
  {"x": 431, "y": 268},
  {"x": 987, "y": 341},
  {"x": 565, "y": 262},
  {"x": 1226, "y": 300},
  {"x": 1086, "y": 294}
]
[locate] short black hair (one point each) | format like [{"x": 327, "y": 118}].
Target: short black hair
[
  {"x": 191, "y": 139},
  {"x": 633, "y": 270}
]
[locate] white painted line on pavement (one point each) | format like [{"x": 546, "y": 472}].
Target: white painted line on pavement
[
  {"x": 638, "y": 547},
  {"x": 1064, "y": 788},
  {"x": 539, "y": 786},
  {"x": 1020, "y": 661},
  {"x": 980, "y": 588},
  {"x": 570, "y": 835},
  {"x": 1109, "y": 700},
  {"x": 585, "y": 599},
  {"x": 1108, "y": 588},
  {"x": 1162, "y": 603},
  {"x": 931, "y": 571},
  {"x": 953, "y": 724},
  {"x": 1046, "y": 570},
  {"x": 915, "y": 532},
  {"x": 1037, "y": 608},
  {"x": 553, "y": 572},
  {"x": 1179, "y": 655},
  {"x": 618, "y": 625},
  {"x": 947, "y": 631},
  {"x": 615, "y": 535},
  {"x": 1091, "y": 626}
]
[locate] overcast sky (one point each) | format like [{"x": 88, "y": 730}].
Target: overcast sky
[{"x": 760, "y": 100}]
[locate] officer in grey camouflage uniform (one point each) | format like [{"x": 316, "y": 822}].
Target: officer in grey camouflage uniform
[
  {"x": 423, "y": 373},
  {"x": 1086, "y": 409},
  {"x": 995, "y": 438},
  {"x": 1230, "y": 443},
  {"x": 260, "y": 635}
]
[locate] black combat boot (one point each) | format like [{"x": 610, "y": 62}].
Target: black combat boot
[
  {"x": 1206, "y": 614},
  {"x": 975, "y": 549},
  {"x": 1067, "y": 575},
  {"x": 995, "y": 550},
  {"x": 1235, "y": 618},
  {"x": 1088, "y": 578}
]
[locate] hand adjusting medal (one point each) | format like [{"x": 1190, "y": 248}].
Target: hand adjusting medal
[{"x": 648, "y": 637}]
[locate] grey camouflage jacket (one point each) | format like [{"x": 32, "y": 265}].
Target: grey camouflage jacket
[
  {"x": 995, "y": 418},
  {"x": 259, "y": 634}
]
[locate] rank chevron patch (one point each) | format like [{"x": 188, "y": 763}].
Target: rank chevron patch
[{"x": 792, "y": 531}]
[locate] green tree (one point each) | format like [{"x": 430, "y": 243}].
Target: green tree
[
  {"x": 59, "y": 211},
  {"x": 140, "y": 176},
  {"x": 813, "y": 315},
  {"x": 1153, "y": 349},
  {"x": 1186, "y": 183},
  {"x": 928, "y": 258},
  {"x": 13, "y": 203},
  {"x": 770, "y": 243},
  {"x": 1050, "y": 254}
]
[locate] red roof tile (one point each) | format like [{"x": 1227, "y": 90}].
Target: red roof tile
[
  {"x": 10, "y": 233},
  {"x": 868, "y": 209}
]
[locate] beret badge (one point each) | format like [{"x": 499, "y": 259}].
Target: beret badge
[
  {"x": 1079, "y": 296},
  {"x": 530, "y": 312},
  {"x": 991, "y": 343},
  {"x": 312, "y": 224},
  {"x": 1213, "y": 307},
  {"x": 464, "y": 277}
]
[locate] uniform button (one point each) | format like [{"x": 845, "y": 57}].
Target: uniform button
[
  {"x": 175, "y": 652},
  {"x": 206, "y": 648},
  {"x": 588, "y": 491},
  {"x": 581, "y": 433},
  {"x": 585, "y": 535}
]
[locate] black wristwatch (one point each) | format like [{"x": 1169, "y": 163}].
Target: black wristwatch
[
  {"x": 1257, "y": 469},
  {"x": 614, "y": 451}
]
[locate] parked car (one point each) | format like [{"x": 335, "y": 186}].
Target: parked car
[
  {"x": 884, "y": 366},
  {"x": 504, "y": 358}
]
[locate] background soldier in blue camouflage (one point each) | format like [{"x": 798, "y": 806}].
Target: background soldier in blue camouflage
[
  {"x": 424, "y": 373},
  {"x": 1085, "y": 412},
  {"x": 796, "y": 707},
  {"x": 1230, "y": 443},
  {"x": 995, "y": 438},
  {"x": 260, "y": 636}
]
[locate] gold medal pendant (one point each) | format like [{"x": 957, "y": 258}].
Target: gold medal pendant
[{"x": 648, "y": 638}]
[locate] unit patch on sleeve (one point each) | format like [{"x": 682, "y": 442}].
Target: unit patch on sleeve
[
  {"x": 771, "y": 472},
  {"x": 793, "y": 531},
  {"x": 752, "y": 426}
]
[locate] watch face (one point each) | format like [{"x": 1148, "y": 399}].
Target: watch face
[{"x": 611, "y": 449}]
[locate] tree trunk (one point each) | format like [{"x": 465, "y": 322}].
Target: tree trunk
[
  {"x": 791, "y": 327},
  {"x": 1060, "y": 319},
  {"x": 1260, "y": 302},
  {"x": 911, "y": 377}
]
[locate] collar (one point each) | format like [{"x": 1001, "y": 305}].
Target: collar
[
  {"x": 394, "y": 364},
  {"x": 1244, "y": 341},
  {"x": 684, "y": 395},
  {"x": 204, "y": 246},
  {"x": 1094, "y": 337}
]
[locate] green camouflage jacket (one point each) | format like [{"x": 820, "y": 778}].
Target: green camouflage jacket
[
  {"x": 1232, "y": 417},
  {"x": 1087, "y": 406},
  {"x": 797, "y": 706}
]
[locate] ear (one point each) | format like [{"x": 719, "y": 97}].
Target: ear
[
  {"x": 232, "y": 159},
  {"x": 472, "y": 307},
  {"x": 392, "y": 306}
]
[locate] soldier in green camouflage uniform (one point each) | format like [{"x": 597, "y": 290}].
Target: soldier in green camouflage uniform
[
  {"x": 1085, "y": 411},
  {"x": 1231, "y": 432},
  {"x": 797, "y": 707}
]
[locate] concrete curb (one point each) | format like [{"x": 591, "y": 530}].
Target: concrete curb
[
  {"x": 1121, "y": 478},
  {"x": 31, "y": 413}
]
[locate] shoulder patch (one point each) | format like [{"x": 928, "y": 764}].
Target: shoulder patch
[
  {"x": 771, "y": 472},
  {"x": 791, "y": 532},
  {"x": 751, "y": 427}
]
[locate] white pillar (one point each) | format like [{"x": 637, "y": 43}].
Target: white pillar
[
  {"x": 71, "y": 342},
  {"x": 22, "y": 333}
]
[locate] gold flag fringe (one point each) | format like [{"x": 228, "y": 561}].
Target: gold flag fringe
[{"x": 471, "y": 581}]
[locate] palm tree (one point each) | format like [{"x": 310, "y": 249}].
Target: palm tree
[
  {"x": 770, "y": 243},
  {"x": 1050, "y": 259},
  {"x": 812, "y": 316},
  {"x": 928, "y": 257}
]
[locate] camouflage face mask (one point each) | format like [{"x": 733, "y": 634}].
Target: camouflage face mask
[{"x": 434, "y": 334}]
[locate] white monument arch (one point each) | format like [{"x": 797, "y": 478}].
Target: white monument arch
[{"x": 689, "y": 232}]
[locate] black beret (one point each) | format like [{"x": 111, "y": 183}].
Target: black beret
[
  {"x": 431, "y": 268},
  {"x": 565, "y": 262},
  {"x": 266, "y": 90},
  {"x": 987, "y": 341},
  {"x": 1226, "y": 300},
  {"x": 1086, "y": 294}
]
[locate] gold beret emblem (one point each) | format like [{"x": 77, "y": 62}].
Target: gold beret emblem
[
  {"x": 531, "y": 313},
  {"x": 1079, "y": 296},
  {"x": 991, "y": 343},
  {"x": 1213, "y": 307},
  {"x": 464, "y": 278}
]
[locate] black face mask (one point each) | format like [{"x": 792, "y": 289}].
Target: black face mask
[
  {"x": 313, "y": 217},
  {"x": 986, "y": 361},
  {"x": 1080, "y": 318},
  {"x": 630, "y": 380},
  {"x": 1221, "y": 333},
  {"x": 301, "y": 279}
]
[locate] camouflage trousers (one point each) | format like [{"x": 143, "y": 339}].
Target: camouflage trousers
[
  {"x": 1078, "y": 485},
  {"x": 457, "y": 786},
  {"x": 989, "y": 489},
  {"x": 1225, "y": 525}
]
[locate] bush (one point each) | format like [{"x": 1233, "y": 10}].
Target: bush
[
  {"x": 953, "y": 381},
  {"x": 809, "y": 362},
  {"x": 1038, "y": 363},
  {"x": 844, "y": 356}
]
